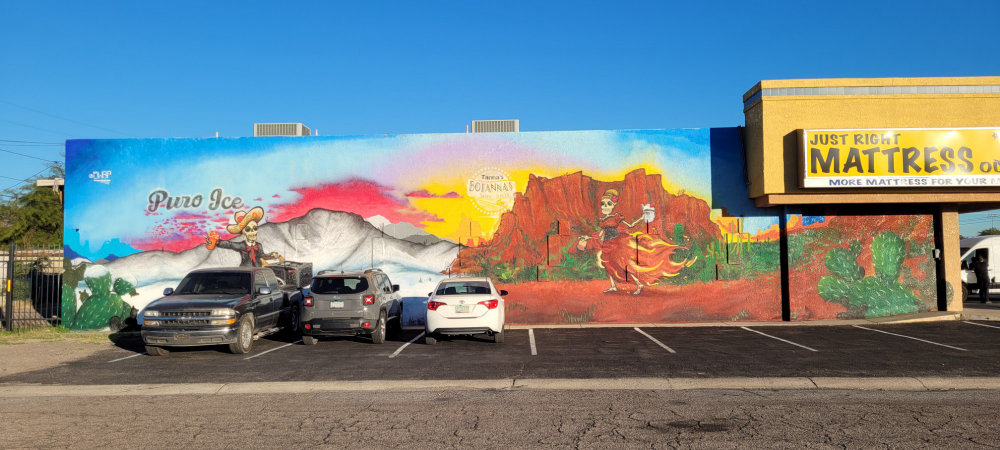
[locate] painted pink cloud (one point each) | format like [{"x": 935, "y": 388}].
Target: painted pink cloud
[
  {"x": 424, "y": 194},
  {"x": 357, "y": 196}
]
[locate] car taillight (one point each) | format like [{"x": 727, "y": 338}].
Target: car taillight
[
  {"x": 369, "y": 299},
  {"x": 433, "y": 306},
  {"x": 308, "y": 301},
  {"x": 490, "y": 304},
  {"x": 366, "y": 325}
]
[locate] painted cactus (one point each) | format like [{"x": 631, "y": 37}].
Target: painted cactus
[
  {"x": 104, "y": 304},
  {"x": 877, "y": 295}
]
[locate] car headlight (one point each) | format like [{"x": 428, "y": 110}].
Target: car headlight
[
  {"x": 150, "y": 313},
  {"x": 224, "y": 312}
]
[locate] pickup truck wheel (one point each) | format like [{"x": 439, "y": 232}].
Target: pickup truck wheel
[
  {"x": 965, "y": 292},
  {"x": 378, "y": 334},
  {"x": 153, "y": 350},
  {"x": 309, "y": 340},
  {"x": 244, "y": 336},
  {"x": 430, "y": 340},
  {"x": 115, "y": 324}
]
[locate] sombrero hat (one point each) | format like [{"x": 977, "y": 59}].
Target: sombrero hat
[{"x": 244, "y": 217}]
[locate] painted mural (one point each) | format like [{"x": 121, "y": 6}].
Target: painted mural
[
  {"x": 849, "y": 266},
  {"x": 580, "y": 227}
]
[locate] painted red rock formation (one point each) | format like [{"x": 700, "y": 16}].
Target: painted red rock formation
[{"x": 568, "y": 206}]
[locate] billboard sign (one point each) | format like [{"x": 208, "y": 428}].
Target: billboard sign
[{"x": 900, "y": 158}]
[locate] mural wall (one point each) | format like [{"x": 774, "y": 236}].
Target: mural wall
[
  {"x": 580, "y": 227},
  {"x": 850, "y": 267}
]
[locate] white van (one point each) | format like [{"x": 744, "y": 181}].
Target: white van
[{"x": 989, "y": 247}]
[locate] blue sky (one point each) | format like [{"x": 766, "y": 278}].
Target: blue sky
[{"x": 191, "y": 69}]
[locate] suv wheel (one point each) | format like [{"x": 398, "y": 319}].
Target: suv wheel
[
  {"x": 244, "y": 336},
  {"x": 378, "y": 334},
  {"x": 293, "y": 321},
  {"x": 153, "y": 350}
]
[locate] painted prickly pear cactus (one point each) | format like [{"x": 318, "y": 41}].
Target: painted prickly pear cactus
[
  {"x": 875, "y": 295},
  {"x": 101, "y": 307}
]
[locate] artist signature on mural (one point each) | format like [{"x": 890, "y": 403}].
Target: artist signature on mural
[{"x": 101, "y": 176}]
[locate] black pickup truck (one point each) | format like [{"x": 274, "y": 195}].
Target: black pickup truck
[{"x": 226, "y": 306}]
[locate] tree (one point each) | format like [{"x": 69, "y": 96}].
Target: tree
[
  {"x": 34, "y": 215},
  {"x": 990, "y": 231}
]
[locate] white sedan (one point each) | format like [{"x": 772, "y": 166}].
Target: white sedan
[{"x": 465, "y": 306}]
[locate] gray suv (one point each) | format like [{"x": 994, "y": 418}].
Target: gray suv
[{"x": 349, "y": 303}]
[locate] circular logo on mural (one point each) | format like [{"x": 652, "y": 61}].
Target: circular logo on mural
[{"x": 492, "y": 191}]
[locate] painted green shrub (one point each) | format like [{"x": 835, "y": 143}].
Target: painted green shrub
[
  {"x": 72, "y": 276},
  {"x": 876, "y": 295}
]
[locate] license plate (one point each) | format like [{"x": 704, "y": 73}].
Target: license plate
[
  {"x": 337, "y": 304},
  {"x": 461, "y": 308}
]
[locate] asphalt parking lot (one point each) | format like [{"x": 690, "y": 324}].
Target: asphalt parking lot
[{"x": 960, "y": 348}]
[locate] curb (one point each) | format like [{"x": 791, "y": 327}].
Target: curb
[
  {"x": 508, "y": 384},
  {"x": 890, "y": 320}
]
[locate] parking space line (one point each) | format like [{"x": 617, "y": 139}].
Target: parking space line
[
  {"x": 271, "y": 350},
  {"x": 911, "y": 337},
  {"x": 393, "y": 355},
  {"x": 127, "y": 357},
  {"x": 657, "y": 341},
  {"x": 531, "y": 340},
  {"x": 780, "y": 339},
  {"x": 981, "y": 324}
]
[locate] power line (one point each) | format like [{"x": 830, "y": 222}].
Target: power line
[
  {"x": 66, "y": 119},
  {"x": 34, "y": 127},
  {"x": 11, "y": 178},
  {"x": 28, "y": 156},
  {"x": 15, "y": 141},
  {"x": 26, "y": 180}
]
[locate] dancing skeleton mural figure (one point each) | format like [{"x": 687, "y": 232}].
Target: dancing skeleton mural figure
[
  {"x": 618, "y": 249},
  {"x": 247, "y": 224}
]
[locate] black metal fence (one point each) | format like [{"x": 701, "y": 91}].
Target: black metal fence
[{"x": 31, "y": 279}]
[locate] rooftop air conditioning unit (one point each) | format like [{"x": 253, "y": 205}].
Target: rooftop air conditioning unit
[
  {"x": 495, "y": 126},
  {"x": 280, "y": 129}
]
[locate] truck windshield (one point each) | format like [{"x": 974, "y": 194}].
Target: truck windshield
[
  {"x": 464, "y": 288},
  {"x": 339, "y": 285},
  {"x": 215, "y": 283}
]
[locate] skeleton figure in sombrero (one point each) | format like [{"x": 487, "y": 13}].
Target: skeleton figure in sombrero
[{"x": 247, "y": 224}]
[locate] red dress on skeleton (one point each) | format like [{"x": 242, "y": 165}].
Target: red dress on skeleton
[{"x": 624, "y": 255}]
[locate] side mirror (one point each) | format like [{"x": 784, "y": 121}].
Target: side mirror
[
  {"x": 395, "y": 288},
  {"x": 429, "y": 294},
  {"x": 263, "y": 290},
  {"x": 965, "y": 265},
  {"x": 503, "y": 293},
  {"x": 168, "y": 291}
]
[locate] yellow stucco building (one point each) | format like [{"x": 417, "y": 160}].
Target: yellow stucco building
[{"x": 779, "y": 112}]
